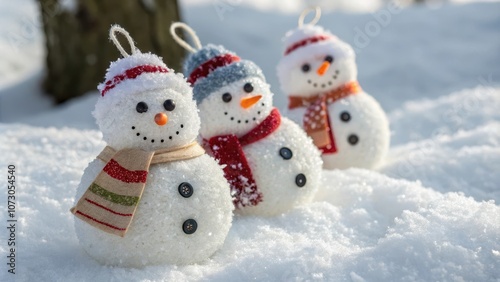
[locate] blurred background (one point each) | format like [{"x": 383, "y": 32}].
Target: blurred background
[{"x": 53, "y": 53}]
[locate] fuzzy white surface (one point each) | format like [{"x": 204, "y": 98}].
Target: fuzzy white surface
[
  {"x": 274, "y": 176},
  {"x": 124, "y": 127},
  {"x": 145, "y": 81},
  {"x": 155, "y": 235},
  {"x": 367, "y": 118},
  {"x": 294, "y": 82},
  {"x": 222, "y": 118},
  {"x": 367, "y": 121},
  {"x": 361, "y": 226},
  {"x": 454, "y": 146}
]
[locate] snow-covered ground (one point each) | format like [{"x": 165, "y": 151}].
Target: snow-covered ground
[{"x": 429, "y": 213}]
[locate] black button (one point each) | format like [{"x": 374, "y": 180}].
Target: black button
[
  {"x": 189, "y": 226},
  {"x": 248, "y": 87},
  {"x": 345, "y": 116},
  {"x": 300, "y": 180},
  {"x": 226, "y": 97},
  {"x": 329, "y": 59},
  {"x": 185, "y": 189},
  {"x": 353, "y": 139},
  {"x": 286, "y": 153}
]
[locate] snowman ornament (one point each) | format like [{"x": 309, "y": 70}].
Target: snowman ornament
[
  {"x": 318, "y": 73},
  {"x": 152, "y": 196},
  {"x": 270, "y": 163}
]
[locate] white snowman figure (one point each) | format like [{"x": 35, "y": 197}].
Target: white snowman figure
[
  {"x": 152, "y": 196},
  {"x": 270, "y": 163},
  {"x": 318, "y": 73}
]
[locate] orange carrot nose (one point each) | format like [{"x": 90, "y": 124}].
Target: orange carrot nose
[
  {"x": 249, "y": 101},
  {"x": 323, "y": 68},
  {"x": 161, "y": 119}
]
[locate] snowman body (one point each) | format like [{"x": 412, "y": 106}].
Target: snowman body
[
  {"x": 285, "y": 164},
  {"x": 185, "y": 210},
  {"x": 280, "y": 177},
  {"x": 360, "y": 130},
  {"x": 156, "y": 233},
  {"x": 317, "y": 63},
  {"x": 285, "y": 168}
]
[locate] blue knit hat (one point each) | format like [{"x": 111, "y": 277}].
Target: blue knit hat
[{"x": 212, "y": 67}]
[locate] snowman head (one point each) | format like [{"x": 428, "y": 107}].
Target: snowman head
[
  {"x": 232, "y": 94},
  {"x": 315, "y": 61},
  {"x": 144, "y": 104}
]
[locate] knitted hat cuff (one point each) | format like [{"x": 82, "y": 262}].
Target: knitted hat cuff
[
  {"x": 138, "y": 73},
  {"x": 148, "y": 82},
  {"x": 132, "y": 73},
  {"x": 194, "y": 60},
  {"x": 304, "y": 42},
  {"x": 207, "y": 67}
]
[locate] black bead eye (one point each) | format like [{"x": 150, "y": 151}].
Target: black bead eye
[
  {"x": 306, "y": 67},
  {"x": 286, "y": 153},
  {"x": 329, "y": 59},
  {"x": 300, "y": 180},
  {"x": 353, "y": 139},
  {"x": 248, "y": 87},
  {"x": 345, "y": 116},
  {"x": 189, "y": 226},
  {"x": 226, "y": 97},
  {"x": 185, "y": 189},
  {"x": 169, "y": 105},
  {"x": 141, "y": 107}
]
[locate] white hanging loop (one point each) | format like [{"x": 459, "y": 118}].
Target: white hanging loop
[
  {"x": 304, "y": 13},
  {"x": 182, "y": 42},
  {"x": 112, "y": 35}
]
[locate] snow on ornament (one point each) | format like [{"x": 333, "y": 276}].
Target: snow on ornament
[
  {"x": 318, "y": 72},
  {"x": 152, "y": 196},
  {"x": 269, "y": 161}
]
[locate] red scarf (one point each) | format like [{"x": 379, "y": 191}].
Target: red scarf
[
  {"x": 316, "y": 119},
  {"x": 227, "y": 149}
]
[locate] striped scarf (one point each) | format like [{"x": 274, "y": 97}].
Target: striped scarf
[
  {"x": 111, "y": 200},
  {"x": 316, "y": 119}
]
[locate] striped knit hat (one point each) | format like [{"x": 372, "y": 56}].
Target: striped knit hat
[
  {"x": 213, "y": 67},
  {"x": 138, "y": 72}
]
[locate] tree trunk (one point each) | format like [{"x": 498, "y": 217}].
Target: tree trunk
[{"x": 77, "y": 39}]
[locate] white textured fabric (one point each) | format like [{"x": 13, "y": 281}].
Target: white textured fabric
[
  {"x": 144, "y": 82},
  {"x": 156, "y": 234},
  {"x": 310, "y": 52},
  {"x": 275, "y": 176},
  {"x": 367, "y": 121}
]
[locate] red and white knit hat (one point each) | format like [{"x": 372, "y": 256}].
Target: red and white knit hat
[{"x": 138, "y": 72}]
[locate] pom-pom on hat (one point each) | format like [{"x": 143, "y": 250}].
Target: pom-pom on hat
[
  {"x": 309, "y": 40},
  {"x": 211, "y": 67},
  {"x": 138, "y": 72}
]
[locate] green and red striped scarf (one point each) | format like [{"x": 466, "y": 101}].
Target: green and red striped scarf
[{"x": 111, "y": 200}]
